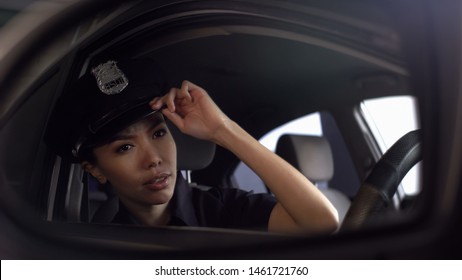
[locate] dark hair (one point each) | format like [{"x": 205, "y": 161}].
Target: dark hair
[
  {"x": 86, "y": 151},
  {"x": 87, "y": 154}
]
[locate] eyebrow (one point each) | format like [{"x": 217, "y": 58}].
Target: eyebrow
[{"x": 154, "y": 120}]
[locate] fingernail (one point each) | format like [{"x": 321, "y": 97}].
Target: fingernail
[{"x": 156, "y": 104}]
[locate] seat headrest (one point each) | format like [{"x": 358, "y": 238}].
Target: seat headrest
[
  {"x": 311, "y": 155},
  {"x": 192, "y": 153}
]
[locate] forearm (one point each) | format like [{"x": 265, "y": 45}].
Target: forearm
[{"x": 304, "y": 204}]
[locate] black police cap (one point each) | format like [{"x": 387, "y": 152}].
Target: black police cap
[{"x": 106, "y": 99}]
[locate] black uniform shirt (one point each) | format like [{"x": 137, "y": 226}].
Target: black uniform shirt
[{"x": 217, "y": 207}]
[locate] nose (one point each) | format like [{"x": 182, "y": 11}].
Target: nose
[{"x": 151, "y": 157}]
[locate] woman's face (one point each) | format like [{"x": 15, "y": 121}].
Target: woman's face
[{"x": 139, "y": 162}]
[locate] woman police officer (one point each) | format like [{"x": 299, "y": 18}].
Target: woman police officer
[{"x": 112, "y": 122}]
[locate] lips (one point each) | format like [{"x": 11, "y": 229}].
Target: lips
[{"x": 157, "y": 182}]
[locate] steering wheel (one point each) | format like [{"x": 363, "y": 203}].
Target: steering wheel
[{"x": 377, "y": 191}]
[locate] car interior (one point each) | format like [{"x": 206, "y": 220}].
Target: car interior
[
  {"x": 312, "y": 156},
  {"x": 264, "y": 65}
]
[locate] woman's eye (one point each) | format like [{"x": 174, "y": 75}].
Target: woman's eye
[
  {"x": 124, "y": 148},
  {"x": 159, "y": 133}
]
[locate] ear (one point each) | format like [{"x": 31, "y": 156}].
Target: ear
[{"x": 94, "y": 171}]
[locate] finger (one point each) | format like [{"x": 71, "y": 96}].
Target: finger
[
  {"x": 193, "y": 89},
  {"x": 190, "y": 85},
  {"x": 170, "y": 99},
  {"x": 155, "y": 103},
  {"x": 184, "y": 91},
  {"x": 176, "y": 119}
]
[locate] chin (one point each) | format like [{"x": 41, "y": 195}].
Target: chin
[{"x": 161, "y": 198}]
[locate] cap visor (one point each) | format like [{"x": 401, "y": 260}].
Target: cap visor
[{"x": 120, "y": 122}]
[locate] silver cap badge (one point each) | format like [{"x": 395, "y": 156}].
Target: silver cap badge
[{"x": 110, "y": 79}]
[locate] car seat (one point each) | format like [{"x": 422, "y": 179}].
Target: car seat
[{"x": 312, "y": 156}]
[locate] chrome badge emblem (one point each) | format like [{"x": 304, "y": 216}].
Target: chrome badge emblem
[{"x": 110, "y": 79}]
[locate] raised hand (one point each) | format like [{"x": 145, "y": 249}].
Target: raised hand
[{"x": 192, "y": 110}]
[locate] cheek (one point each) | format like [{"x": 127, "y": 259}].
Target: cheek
[
  {"x": 167, "y": 150},
  {"x": 172, "y": 152},
  {"x": 119, "y": 171},
  {"x": 114, "y": 168}
]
